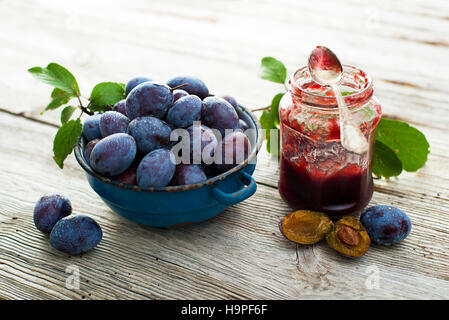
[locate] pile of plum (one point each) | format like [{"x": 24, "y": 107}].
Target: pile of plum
[
  {"x": 140, "y": 140},
  {"x": 72, "y": 234}
]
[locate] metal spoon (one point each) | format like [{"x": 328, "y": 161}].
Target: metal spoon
[{"x": 326, "y": 70}]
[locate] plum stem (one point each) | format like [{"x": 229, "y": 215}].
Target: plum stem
[
  {"x": 84, "y": 109},
  {"x": 180, "y": 86},
  {"x": 261, "y": 109}
]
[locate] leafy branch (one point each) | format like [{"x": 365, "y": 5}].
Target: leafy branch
[
  {"x": 65, "y": 89},
  {"x": 398, "y": 145}
]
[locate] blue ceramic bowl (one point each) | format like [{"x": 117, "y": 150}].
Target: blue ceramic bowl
[{"x": 174, "y": 205}]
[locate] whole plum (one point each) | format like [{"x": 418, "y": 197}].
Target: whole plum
[
  {"x": 127, "y": 177},
  {"x": 243, "y": 125},
  {"x": 88, "y": 149},
  {"x": 150, "y": 134},
  {"x": 235, "y": 104},
  {"x": 149, "y": 99},
  {"x": 209, "y": 169},
  {"x": 196, "y": 86},
  {"x": 185, "y": 111},
  {"x": 76, "y": 234},
  {"x": 232, "y": 101},
  {"x": 234, "y": 149},
  {"x": 113, "y": 122},
  {"x": 91, "y": 127},
  {"x": 219, "y": 114},
  {"x": 114, "y": 154},
  {"x": 178, "y": 94},
  {"x": 188, "y": 174},
  {"x": 386, "y": 225},
  {"x": 120, "y": 107},
  {"x": 156, "y": 169},
  {"x": 49, "y": 209},
  {"x": 134, "y": 82},
  {"x": 203, "y": 143}
]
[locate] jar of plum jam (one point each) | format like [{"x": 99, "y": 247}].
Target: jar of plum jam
[{"x": 316, "y": 172}]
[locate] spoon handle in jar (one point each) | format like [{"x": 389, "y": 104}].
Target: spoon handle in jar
[{"x": 352, "y": 138}]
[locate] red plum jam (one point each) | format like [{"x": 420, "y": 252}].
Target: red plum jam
[{"x": 316, "y": 172}]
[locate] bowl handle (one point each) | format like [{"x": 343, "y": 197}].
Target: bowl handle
[{"x": 238, "y": 196}]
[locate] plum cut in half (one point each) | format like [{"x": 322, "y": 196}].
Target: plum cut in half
[
  {"x": 349, "y": 237},
  {"x": 305, "y": 226}
]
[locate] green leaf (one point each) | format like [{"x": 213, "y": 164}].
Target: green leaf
[
  {"x": 65, "y": 140},
  {"x": 274, "y": 108},
  {"x": 273, "y": 70},
  {"x": 385, "y": 162},
  {"x": 408, "y": 143},
  {"x": 106, "y": 94},
  {"x": 67, "y": 113},
  {"x": 277, "y": 151},
  {"x": 268, "y": 122},
  {"x": 57, "y": 76},
  {"x": 59, "y": 98}
]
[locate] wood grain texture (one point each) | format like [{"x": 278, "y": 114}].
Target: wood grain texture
[{"x": 240, "y": 253}]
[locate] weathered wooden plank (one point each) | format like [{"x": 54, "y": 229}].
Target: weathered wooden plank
[
  {"x": 402, "y": 44},
  {"x": 164, "y": 42},
  {"x": 254, "y": 260}
]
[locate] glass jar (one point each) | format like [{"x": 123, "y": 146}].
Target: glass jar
[{"x": 316, "y": 172}]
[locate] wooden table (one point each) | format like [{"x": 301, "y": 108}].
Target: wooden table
[{"x": 403, "y": 45}]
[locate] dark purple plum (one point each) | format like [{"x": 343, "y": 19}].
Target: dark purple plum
[
  {"x": 243, "y": 125},
  {"x": 120, "y": 107},
  {"x": 232, "y": 101},
  {"x": 219, "y": 114},
  {"x": 49, "y": 209},
  {"x": 91, "y": 127},
  {"x": 113, "y": 122},
  {"x": 234, "y": 149},
  {"x": 134, "y": 82},
  {"x": 149, "y": 99},
  {"x": 88, "y": 149},
  {"x": 209, "y": 169},
  {"x": 386, "y": 225},
  {"x": 188, "y": 174},
  {"x": 114, "y": 154},
  {"x": 156, "y": 169},
  {"x": 76, "y": 234},
  {"x": 150, "y": 134},
  {"x": 196, "y": 86},
  {"x": 178, "y": 94},
  {"x": 203, "y": 143},
  {"x": 184, "y": 112},
  {"x": 235, "y": 104},
  {"x": 127, "y": 177}
]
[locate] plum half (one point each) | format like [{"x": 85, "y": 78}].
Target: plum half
[
  {"x": 349, "y": 237},
  {"x": 305, "y": 226}
]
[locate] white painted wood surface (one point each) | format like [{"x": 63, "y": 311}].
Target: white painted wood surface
[{"x": 403, "y": 45}]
